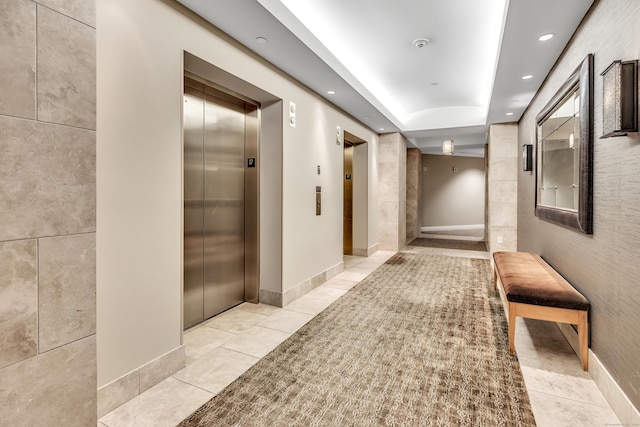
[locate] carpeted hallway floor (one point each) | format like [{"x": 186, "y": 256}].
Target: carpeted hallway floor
[
  {"x": 222, "y": 349},
  {"x": 464, "y": 245},
  {"x": 420, "y": 341}
]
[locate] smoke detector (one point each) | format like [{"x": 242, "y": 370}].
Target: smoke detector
[{"x": 421, "y": 42}]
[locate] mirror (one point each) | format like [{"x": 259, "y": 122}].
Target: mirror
[{"x": 564, "y": 155}]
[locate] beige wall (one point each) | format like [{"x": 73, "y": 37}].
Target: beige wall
[
  {"x": 603, "y": 266},
  {"x": 48, "y": 222},
  {"x": 452, "y": 198},
  {"x": 502, "y": 178},
  {"x": 140, "y": 175}
]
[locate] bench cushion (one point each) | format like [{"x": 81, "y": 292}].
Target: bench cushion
[{"x": 528, "y": 279}]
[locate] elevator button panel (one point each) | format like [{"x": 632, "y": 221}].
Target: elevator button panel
[{"x": 318, "y": 201}]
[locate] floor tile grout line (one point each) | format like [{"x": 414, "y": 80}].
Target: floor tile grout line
[
  {"x": 280, "y": 330},
  {"x": 223, "y": 330},
  {"x": 569, "y": 399},
  {"x": 253, "y": 355},
  {"x": 196, "y": 386}
]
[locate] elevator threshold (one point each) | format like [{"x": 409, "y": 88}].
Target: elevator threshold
[{"x": 189, "y": 328}]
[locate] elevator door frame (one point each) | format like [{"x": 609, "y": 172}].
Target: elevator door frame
[{"x": 251, "y": 183}]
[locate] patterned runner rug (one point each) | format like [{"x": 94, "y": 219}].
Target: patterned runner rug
[
  {"x": 465, "y": 245},
  {"x": 421, "y": 341}
]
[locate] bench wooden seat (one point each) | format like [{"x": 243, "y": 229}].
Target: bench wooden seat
[{"x": 534, "y": 290}]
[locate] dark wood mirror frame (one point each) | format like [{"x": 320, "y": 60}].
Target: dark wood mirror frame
[{"x": 582, "y": 219}]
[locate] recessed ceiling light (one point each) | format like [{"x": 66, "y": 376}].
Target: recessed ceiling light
[
  {"x": 509, "y": 114},
  {"x": 261, "y": 40},
  {"x": 331, "y": 92},
  {"x": 381, "y": 129},
  {"x": 435, "y": 84},
  {"x": 545, "y": 37},
  {"x": 527, "y": 77}
]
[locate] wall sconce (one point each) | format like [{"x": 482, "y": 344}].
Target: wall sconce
[
  {"x": 527, "y": 157},
  {"x": 620, "y": 100},
  {"x": 447, "y": 147}
]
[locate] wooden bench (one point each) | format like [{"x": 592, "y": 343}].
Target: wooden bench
[{"x": 534, "y": 290}]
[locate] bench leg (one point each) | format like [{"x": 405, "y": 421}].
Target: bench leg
[
  {"x": 583, "y": 339},
  {"x": 495, "y": 278},
  {"x": 512, "y": 328}
]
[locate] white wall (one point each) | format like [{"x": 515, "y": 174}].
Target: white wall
[
  {"x": 452, "y": 198},
  {"x": 140, "y": 49}
]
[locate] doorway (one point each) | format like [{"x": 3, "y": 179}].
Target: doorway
[
  {"x": 355, "y": 198},
  {"x": 220, "y": 200},
  {"x": 348, "y": 199}
]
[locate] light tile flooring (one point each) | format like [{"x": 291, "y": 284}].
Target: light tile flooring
[{"x": 221, "y": 349}]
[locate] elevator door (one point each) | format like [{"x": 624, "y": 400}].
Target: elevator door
[
  {"x": 348, "y": 199},
  {"x": 214, "y": 203}
]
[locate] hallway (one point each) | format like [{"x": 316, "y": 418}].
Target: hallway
[{"x": 221, "y": 349}]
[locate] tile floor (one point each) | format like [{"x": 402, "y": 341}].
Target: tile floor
[{"x": 221, "y": 349}]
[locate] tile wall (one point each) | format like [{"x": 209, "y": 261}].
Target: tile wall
[
  {"x": 502, "y": 190},
  {"x": 47, "y": 214},
  {"x": 392, "y": 194},
  {"x": 414, "y": 178}
]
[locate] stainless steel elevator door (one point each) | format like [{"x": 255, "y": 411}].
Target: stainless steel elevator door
[
  {"x": 224, "y": 137},
  {"x": 214, "y": 204}
]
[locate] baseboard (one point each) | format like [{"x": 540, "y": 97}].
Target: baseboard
[
  {"x": 365, "y": 252},
  {"x": 271, "y": 297},
  {"x": 359, "y": 252},
  {"x": 280, "y": 299},
  {"x": 626, "y": 412},
  {"x": 452, "y": 227},
  {"x": 130, "y": 385},
  {"x": 307, "y": 286}
]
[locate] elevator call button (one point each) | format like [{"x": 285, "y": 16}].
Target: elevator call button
[{"x": 251, "y": 162}]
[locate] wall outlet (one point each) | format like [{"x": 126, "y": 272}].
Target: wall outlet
[{"x": 500, "y": 239}]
